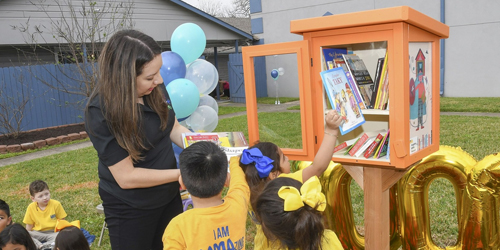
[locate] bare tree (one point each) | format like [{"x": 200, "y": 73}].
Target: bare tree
[
  {"x": 239, "y": 8},
  {"x": 13, "y": 106},
  {"x": 75, "y": 35}
]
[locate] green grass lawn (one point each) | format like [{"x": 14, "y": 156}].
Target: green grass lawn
[{"x": 73, "y": 180}]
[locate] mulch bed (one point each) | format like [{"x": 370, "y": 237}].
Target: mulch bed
[{"x": 42, "y": 134}]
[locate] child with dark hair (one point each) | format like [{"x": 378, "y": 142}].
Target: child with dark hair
[
  {"x": 71, "y": 238},
  {"x": 16, "y": 236},
  {"x": 213, "y": 223},
  {"x": 5, "y": 218},
  {"x": 42, "y": 215},
  {"x": 265, "y": 161},
  {"x": 290, "y": 214}
]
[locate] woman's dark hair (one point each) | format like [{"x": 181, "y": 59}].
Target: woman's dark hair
[
  {"x": 122, "y": 59},
  {"x": 255, "y": 182},
  {"x": 71, "y": 238},
  {"x": 300, "y": 229},
  {"x": 16, "y": 234}
]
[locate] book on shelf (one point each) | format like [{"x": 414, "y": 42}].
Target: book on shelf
[
  {"x": 330, "y": 54},
  {"x": 376, "y": 80},
  {"x": 384, "y": 151},
  {"x": 385, "y": 148},
  {"x": 232, "y": 143},
  {"x": 339, "y": 62},
  {"x": 344, "y": 145},
  {"x": 384, "y": 80},
  {"x": 365, "y": 146},
  {"x": 346, "y": 152},
  {"x": 381, "y": 144},
  {"x": 359, "y": 143},
  {"x": 371, "y": 149},
  {"x": 342, "y": 99},
  {"x": 361, "y": 76}
]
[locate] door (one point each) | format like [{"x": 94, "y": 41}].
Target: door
[{"x": 263, "y": 128}]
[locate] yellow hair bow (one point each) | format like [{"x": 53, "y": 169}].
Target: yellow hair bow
[
  {"x": 310, "y": 194},
  {"x": 61, "y": 224}
]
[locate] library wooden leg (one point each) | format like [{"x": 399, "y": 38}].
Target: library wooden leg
[{"x": 377, "y": 221}]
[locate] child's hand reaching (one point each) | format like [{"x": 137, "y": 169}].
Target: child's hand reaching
[
  {"x": 325, "y": 151},
  {"x": 333, "y": 121}
]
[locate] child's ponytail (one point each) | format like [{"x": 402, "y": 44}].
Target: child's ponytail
[
  {"x": 290, "y": 216},
  {"x": 308, "y": 231}
]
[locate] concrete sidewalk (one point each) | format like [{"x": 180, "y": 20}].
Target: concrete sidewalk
[{"x": 260, "y": 107}]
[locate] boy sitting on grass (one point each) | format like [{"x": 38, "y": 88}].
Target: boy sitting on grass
[
  {"x": 213, "y": 223},
  {"x": 42, "y": 215}
]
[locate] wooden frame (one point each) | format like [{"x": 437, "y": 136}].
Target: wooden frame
[{"x": 299, "y": 48}]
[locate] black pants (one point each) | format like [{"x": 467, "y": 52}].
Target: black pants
[{"x": 137, "y": 229}]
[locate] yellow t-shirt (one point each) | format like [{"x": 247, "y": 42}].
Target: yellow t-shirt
[
  {"x": 260, "y": 241},
  {"x": 330, "y": 241},
  {"x": 219, "y": 227},
  {"x": 44, "y": 220}
]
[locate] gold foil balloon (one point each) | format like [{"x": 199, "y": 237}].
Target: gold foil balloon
[
  {"x": 477, "y": 193},
  {"x": 413, "y": 190},
  {"x": 482, "y": 205}
]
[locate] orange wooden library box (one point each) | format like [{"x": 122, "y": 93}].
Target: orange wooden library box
[{"x": 411, "y": 40}]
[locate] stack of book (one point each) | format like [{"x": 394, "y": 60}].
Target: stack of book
[
  {"x": 369, "y": 145},
  {"x": 370, "y": 93}
]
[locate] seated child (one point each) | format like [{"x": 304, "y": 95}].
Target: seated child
[
  {"x": 213, "y": 223},
  {"x": 42, "y": 214},
  {"x": 5, "y": 218},
  {"x": 258, "y": 174},
  {"x": 15, "y": 236},
  {"x": 71, "y": 238},
  {"x": 293, "y": 218}
]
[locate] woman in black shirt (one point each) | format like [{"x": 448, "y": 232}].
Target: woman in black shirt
[{"x": 132, "y": 129}]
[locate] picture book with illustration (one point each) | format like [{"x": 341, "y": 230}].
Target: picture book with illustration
[
  {"x": 342, "y": 99},
  {"x": 233, "y": 143}
]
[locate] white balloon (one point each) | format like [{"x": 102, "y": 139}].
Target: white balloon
[
  {"x": 209, "y": 101},
  {"x": 203, "y": 74},
  {"x": 203, "y": 119},
  {"x": 281, "y": 71}
]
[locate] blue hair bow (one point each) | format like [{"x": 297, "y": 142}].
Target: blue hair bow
[{"x": 263, "y": 164}]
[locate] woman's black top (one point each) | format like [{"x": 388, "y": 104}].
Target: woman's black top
[{"x": 159, "y": 156}]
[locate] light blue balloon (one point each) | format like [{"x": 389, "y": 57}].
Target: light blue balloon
[
  {"x": 184, "y": 96},
  {"x": 189, "y": 41}
]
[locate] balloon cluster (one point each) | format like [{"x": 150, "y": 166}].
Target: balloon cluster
[
  {"x": 189, "y": 80},
  {"x": 275, "y": 73}
]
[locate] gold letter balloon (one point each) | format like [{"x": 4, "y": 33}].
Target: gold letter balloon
[{"x": 477, "y": 194}]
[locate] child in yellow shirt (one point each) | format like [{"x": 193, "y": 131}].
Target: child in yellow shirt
[
  {"x": 290, "y": 214},
  {"x": 42, "y": 215},
  {"x": 267, "y": 162},
  {"x": 213, "y": 223}
]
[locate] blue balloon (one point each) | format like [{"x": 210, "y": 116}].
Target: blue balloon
[
  {"x": 173, "y": 67},
  {"x": 184, "y": 96},
  {"x": 189, "y": 41},
  {"x": 274, "y": 74}
]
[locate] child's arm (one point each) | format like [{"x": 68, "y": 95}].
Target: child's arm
[
  {"x": 325, "y": 152},
  {"x": 29, "y": 227}
]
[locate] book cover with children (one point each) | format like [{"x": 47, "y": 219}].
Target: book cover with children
[{"x": 342, "y": 99}]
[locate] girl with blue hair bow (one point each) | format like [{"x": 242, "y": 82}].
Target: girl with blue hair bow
[{"x": 265, "y": 161}]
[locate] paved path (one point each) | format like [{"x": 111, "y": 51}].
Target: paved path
[{"x": 260, "y": 107}]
